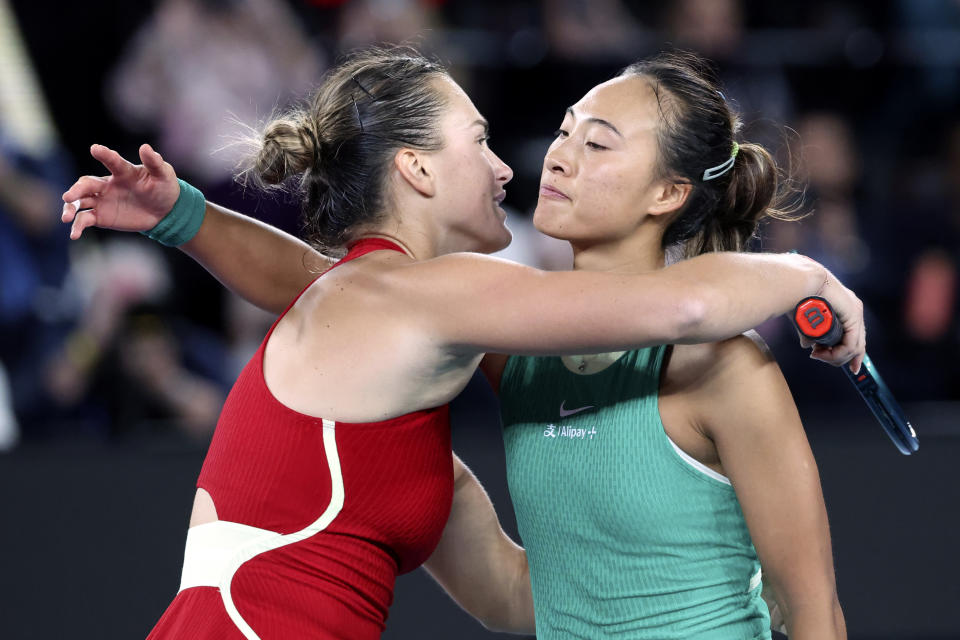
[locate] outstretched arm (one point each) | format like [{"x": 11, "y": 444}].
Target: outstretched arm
[
  {"x": 478, "y": 565},
  {"x": 749, "y": 413},
  {"x": 509, "y": 308},
  {"x": 699, "y": 300},
  {"x": 258, "y": 262}
]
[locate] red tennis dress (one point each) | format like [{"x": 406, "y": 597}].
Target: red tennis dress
[{"x": 317, "y": 518}]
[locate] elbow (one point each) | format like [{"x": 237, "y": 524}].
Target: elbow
[
  {"x": 693, "y": 312},
  {"x": 514, "y": 611},
  {"x": 814, "y": 616},
  {"x": 504, "y": 622},
  {"x": 499, "y": 620},
  {"x": 495, "y": 624}
]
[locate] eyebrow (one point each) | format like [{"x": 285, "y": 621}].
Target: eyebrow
[
  {"x": 483, "y": 123},
  {"x": 599, "y": 121}
]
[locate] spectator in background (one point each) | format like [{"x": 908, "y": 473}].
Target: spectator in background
[
  {"x": 35, "y": 305},
  {"x": 198, "y": 67},
  {"x": 926, "y": 235},
  {"x": 929, "y": 28},
  {"x": 149, "y": 384},
  {"x": 752, "y": 73},
  {"x": 190, "y": 76},
  {"x": 67, "y": 340},
  {"x": 581, "y": 31},
  {"x": 130, "y": 366},
  {"x": 829, "y": 168},
  {"x": 365, "y": 22}
]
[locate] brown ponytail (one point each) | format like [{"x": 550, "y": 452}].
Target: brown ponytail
[{"x": 754, "y": 192}]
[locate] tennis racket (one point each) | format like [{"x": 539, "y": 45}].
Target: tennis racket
[{"x": 814, "y": 318}]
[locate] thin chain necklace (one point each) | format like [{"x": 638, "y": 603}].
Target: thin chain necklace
[{"x": 591, "y": 363}]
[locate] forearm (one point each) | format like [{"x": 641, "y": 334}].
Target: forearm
[
  {"x": 478, "y": 565},
  {"x": 735, "y": 292},
  {"x": 814, "y": 620},
  {"x": 260, "y": 263}
]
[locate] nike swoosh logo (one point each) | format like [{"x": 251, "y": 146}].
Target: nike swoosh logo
[{"x": 569, "y": 412}]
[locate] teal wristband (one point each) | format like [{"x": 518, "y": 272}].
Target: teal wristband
[{"x": 183, "y": 221}]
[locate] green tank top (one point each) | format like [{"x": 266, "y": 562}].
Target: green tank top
[{"x": 627, "y": 537}]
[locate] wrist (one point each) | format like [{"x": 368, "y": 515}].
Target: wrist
[
  {"x": 816, "y": 276},
  {"x": 183, "y": 221}
]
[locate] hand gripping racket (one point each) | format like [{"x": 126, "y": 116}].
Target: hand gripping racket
[{"x": 814, "y": 318}]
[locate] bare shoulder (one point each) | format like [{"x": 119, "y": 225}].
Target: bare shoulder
[
  {"x": 471, "y": 265},
  {"x": 452, "y": 276},
  {"x": 724, "y": 373},
  {"x": 746, "y": 350}
]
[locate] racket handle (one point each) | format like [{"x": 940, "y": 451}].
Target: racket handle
[{"x": 814, "y": 318}]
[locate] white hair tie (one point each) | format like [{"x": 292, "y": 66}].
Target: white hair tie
[{"x": 720, "y": 169}]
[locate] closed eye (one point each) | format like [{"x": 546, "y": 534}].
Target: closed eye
[
  {"x": 560, "y": 133},
  {"x": 596, "y": 147}
]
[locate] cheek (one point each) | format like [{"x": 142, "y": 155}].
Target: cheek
[
  {"x": 605, "y": 194},
  {"x": 473, "y": 173},
  {"x": 463, "y": 178}
]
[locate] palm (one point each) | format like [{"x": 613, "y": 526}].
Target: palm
[
  {"x": 132, "y": 198},
  {"x": 136, "y": 201}
]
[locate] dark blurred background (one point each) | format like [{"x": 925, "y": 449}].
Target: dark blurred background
[{"x": 116, "y": 355}]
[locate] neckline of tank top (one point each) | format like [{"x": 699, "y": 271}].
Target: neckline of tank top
[{"x": 361, "y": 246}]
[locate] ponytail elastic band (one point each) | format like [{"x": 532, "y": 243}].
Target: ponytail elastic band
[
  {"x": 183, "y": 221},
  {"x": 720, "y": 169}
]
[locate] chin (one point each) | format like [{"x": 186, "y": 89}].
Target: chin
[
  {"x": 542, "y": 223},
  {"x": 488, "y": 243},
  {"x": 501, "y": 242}
]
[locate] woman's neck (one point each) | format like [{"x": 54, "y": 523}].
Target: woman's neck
[
  {"x": 415, "y": 240},
  {"x": 637, "y": 253}
]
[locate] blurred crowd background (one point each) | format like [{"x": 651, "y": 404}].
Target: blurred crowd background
[{"x": 114, "y": 341}]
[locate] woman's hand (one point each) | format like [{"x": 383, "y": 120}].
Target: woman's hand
[
  {"x": 135, "y": 197},
  {"x": 849, "y": 309}
]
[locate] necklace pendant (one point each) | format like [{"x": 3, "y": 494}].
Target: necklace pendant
[{"x": 583, "y": 365}]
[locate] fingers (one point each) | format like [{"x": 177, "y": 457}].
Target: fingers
[
  {"x": 83, "y": 220},
  {"x": 112, "y": 160},
  {"x": 825, "y": 354},
  {"x": 70, "y": 209},
  {"x": 850, "y": 352},
  {"x": 85, "y": 187},
  {"x": 857, "y": 361},
  {"x": 152, "y": 160}
]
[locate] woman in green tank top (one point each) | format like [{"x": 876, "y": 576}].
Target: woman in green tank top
[{"x": 650, "y": 485}]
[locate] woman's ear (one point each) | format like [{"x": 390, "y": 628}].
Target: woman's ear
[
  {"x": 669, "y": 197},
  {"x": 414, "y": 167}
]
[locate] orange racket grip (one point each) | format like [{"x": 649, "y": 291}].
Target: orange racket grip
[{"x": 814, "y": 318}]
